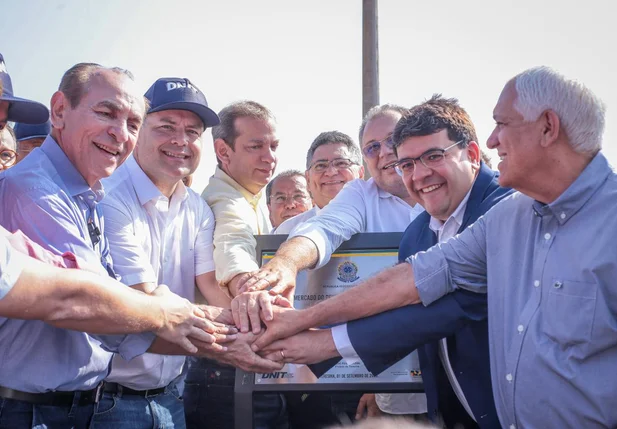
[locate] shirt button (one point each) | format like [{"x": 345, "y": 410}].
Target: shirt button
[
  {"x": 520, "y": 328},
  {"x": 90, "y": 197},
  {"x": 562, "y": 215},
  {"x": 509, "y": 377},
  {"x": 547, "y": 236},
  {"x": 536, "y": 283},
  {"x": 557, "y": 285},
  {"x": 512, "y": 427}
]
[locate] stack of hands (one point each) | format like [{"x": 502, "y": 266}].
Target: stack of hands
[{"x": 260, "y": 333}]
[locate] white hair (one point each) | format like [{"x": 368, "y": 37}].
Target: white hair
[{"x": 580, "y": 111}]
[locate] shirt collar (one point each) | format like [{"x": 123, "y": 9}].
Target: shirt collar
[
  {"x": 72, "y": 179},
  {"x": 457, "y": 216},
  {"x": 253, "y": 199},
  {"x": 579, "y": 192},
  {"x": 145, "y": 189}
]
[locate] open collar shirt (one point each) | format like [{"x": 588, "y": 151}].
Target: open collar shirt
[
  {"x": 550, "y": 273},
  {"x": 157, "y": 240},
  {"x": 240, "y": 215},
  {"x": 46, "y": 198}
]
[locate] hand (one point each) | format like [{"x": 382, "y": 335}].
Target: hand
[
  {"x": 239, "y": 354},
  {"x": 279, "y": 274},
  {"x": 285, "y": 323},
  {"x": 308, "y": 347},
  {"x": 255, "y": 307},
  {"x": 368, "y": 404},
  {"x": 218, "y": 314},
  {"x": 183, "y": 320}
]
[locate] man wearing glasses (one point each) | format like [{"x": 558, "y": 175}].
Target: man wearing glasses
[
  {"x": 332, "y": 160},
  {"x": 8, "y": 155},
  {"x": 287, "y": 197},
  {"x": 380, "y": 204}
]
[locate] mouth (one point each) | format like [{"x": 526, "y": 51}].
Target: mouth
[
  {"x": 429, "y": 189},
  {"x": 333, "y": 182},
  {"x": 389, "y": 166},
  {"x": 107, "y": 149},
  {"x": 175, "y": 155}
]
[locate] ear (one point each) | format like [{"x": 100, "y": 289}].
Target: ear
[
  {"x": 59, "y": 104},
  {"x": 473, "y": 153},
  {"x": 550, "y": 127},
  {"x": 222, "y": 151},
  {"x": 361, "y": 172}
]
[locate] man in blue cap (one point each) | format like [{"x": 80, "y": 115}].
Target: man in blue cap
[
  {"x": 159, "y": 232},
  {"x": 29, "y": 137},
  {"x": 16, "y": 109}
]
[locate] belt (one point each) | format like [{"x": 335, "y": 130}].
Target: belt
[
  {"x": 86, "y": 397},
  {"x": 123, "y": 390}
]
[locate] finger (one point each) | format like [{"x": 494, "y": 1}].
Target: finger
[
  {"x": 265, "y": 303},
  {"x": 187, "y": 345},
  {"x": 254, "y": 278},
  {"x": 200, "y": 323},
  {"x": 273, "y": 356},
  {"x": 235, "y": 311},
  {"x": 223, "y": 338},
  {"x": 265, "y": 339},
  {"x": 264, "y": 281},
  {"x": 244, "y": 318},
  {"x": 225, "y": 329},
  {"x": 243, "y": 285},
  {"x": 361, "y": 407},
  {"x": 280, "y": 289},
  {"x": 264, "y": 365},
  {"x": 199, "y": 312},
  {"x": 253, "y": 313},
  {"x": 281, "y": 301},
  {"x": 201, "y": 335}
]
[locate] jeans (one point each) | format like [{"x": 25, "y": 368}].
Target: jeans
[
  {"x": 162, "y": 411},
  {"x": 16, "y": 414},
  {"x": 209, "y": 399}
]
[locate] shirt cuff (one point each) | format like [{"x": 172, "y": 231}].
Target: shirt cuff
[
  {"x": 431, "y": 275},
  {"x": 343, "y": 344},
  {"x": 316, "y": 237},
  {"x": 127, "y": 346},
  {"x": 138, "y": 278},
  {"x": 10, "y": 272}
]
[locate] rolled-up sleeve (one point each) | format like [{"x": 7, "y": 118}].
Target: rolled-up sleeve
[
  {"x": 127, "y": 346},
  {"x": 458, "y": 263},
  {"x": 343, "y": 217},
  {"x": 12, "y": 264}
]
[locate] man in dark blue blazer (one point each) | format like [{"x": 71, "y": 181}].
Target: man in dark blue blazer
[{"x": 456, "y": 378}]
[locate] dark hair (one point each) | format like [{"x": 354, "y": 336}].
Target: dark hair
[
  {"x": 377, "y": 111},
  {"x": 334, "y": 137},
  {"x": 74, "y": 81},
  {"x": 286, "y": 173},
  {"x": 436, "y": 114}
]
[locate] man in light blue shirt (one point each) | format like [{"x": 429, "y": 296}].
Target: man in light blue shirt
[
  {"x": 544, "y": 255},
  {"x": 50, "y": 376}
]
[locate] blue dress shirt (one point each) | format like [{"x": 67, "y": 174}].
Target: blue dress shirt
[
  {"x": 551, "y": 276},
  {"x": 47, "y": 198}
]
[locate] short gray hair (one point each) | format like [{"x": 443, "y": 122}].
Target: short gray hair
[
  {"x": 380, "y": 111},
  {"x": 334, "y": 137},
  {"x": 580, "y": 111},
  {"x": 286, "y": 173}
]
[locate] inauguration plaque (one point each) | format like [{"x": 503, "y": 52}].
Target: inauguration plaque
[{"x": 359, "y": 258}]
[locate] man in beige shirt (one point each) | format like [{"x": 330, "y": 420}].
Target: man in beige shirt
[{"x": 245, "y": 143}]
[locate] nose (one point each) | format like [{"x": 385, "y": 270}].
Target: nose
[
  {"x": 180, "y": 138},
  {"x": 290, "y": 203},
  {"x": 269, "y": 155},
  {"x": 493, "y": 141},
  {"x": 420, "y": 172},
  {"x": 331, "y": 170},
  {"x": 385, "y": 150},
  {"x": 120, "y": 132}
]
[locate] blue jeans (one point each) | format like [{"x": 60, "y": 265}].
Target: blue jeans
[
  {"x": 209, "y": 399},
  {"x": 164, "y": 410},
  {"x": 24, "y": 415}
]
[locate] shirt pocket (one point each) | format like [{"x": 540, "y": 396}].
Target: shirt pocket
[{"x": 569, "y": 312}]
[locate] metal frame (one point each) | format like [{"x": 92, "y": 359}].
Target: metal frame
[{"x": 245, "y": 385}]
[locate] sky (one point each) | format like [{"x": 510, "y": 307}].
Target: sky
[{"x": 303, "y": 59}]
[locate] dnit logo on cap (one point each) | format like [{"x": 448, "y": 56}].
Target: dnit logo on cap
[{"x": 176, "y": 85}]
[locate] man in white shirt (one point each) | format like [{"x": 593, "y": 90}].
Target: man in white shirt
[
  {"x": 332, "y": 160},
  {"x": 287, "y": 196},
  {"x": 160, "y": 231},
  {"x": 381, "y": 204}
]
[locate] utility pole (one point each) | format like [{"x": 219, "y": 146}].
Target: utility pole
[{"x": 370, "y": 59}]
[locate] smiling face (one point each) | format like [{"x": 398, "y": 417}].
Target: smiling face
[
  {"x": 253, "y": 160},
  {"x": 169, "y": 147},
  {"x": 517, "y": 142},
  {"x": 289, "y": 198},
  {"x": 440, "y": 189},
  {"x": 377, "y": 130},
  {"x": 100, "y": 132},
  {"x": 324, "y": 185}
]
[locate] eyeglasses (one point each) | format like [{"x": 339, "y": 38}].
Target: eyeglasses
[
  {"x": 430, "y": 159},
  {"x": 372, "y": 149},
  {"x": 338, "y": 163},
  {"x": 8, "y": 157},
  {"x": 279, "y": 200}
]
